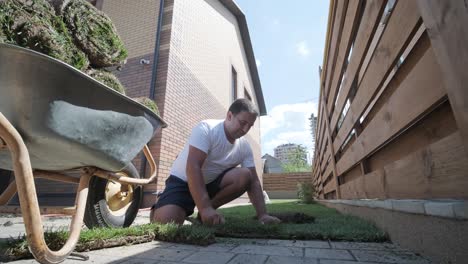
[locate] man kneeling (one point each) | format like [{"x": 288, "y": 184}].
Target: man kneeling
[{"x": 206, "y": 172}]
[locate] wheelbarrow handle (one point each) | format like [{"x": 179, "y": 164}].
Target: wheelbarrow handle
[{"x": 29, "y": 203}]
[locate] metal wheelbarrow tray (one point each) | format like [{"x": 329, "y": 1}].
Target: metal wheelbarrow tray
[{"x": 54, "y": 118}]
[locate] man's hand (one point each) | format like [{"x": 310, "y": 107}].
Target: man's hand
[
  {"x": 210, "y": 216},
  {"x": 268, "y": 219}
]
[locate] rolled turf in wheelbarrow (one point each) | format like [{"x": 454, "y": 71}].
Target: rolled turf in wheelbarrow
[
  {"x": 3, "y": 38},
  {"x": 94, "y": 33},
  {"x": 148, "y": 103},
  {"x": 108, "y": 79},
  {"x": 67, "y": 119},
  {"x": 33, "y": 24}
]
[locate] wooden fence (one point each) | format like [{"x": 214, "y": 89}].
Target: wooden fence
[
  {"x": 284, "y": 185},
  {"x": 393, "y": 111}
]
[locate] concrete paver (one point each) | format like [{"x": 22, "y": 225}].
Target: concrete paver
[
  {"x": 298, "y": 243},
  {"x": 328, "y": 253},
  {"x": 248, "y": 259},
  {"x": 364, "y": 246},
  {"x": 388, "y": 256},
  {"x": 229, "y": 251},
  {"x": 290, "y": 260},
  {"x": 269, "y": 250},
  {"x": 209, "y": 257},
  {"x": 334, "y": 261}
]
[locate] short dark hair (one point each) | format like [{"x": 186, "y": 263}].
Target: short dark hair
[{"x": 243, "y": 105}]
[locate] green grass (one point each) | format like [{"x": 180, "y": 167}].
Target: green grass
[
  {"x": 17, "y": 248},
  {"x": 240, "y": 223},
  {"x": 329, "y": 224}
]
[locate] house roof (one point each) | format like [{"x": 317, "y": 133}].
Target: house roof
[
  {"x": 269, "y": 157},
  {"x": 244, "y": 31}
]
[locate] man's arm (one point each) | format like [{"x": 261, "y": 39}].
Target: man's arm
[
  {"x": 256, "y": 197},
  {"x": 197, "y": 187}
]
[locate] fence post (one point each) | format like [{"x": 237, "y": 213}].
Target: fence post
[{"x": 330, "y": 144}]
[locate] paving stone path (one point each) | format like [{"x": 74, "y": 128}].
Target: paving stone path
[
  {"x": 246, "y": 251},
  {"x": 230, "y": 251}
]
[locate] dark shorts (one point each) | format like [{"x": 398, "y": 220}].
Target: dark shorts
[{"x": 177, "y": 192}]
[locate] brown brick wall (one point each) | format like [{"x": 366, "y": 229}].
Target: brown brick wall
[
  {"x": 136, "y": 77},
  {"x": 284, "y": 181},
  {"x": 184, "y": 94},
  {"x": 136, "y": 23}
]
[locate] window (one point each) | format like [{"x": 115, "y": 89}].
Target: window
[
  {"x": 247, "y": 95},
  {"x": 234, "y": 84}
]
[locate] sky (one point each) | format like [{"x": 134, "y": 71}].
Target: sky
[{"x": 288, "y": 38}]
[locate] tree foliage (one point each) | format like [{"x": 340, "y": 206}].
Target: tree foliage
[
  {"x": 297, "y": 160},
  {"x": 313, "y": 125}
]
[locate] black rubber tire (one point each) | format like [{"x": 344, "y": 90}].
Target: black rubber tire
[
  {"x": 5, "y": 179},
  {"x": 98, "y": 213}
]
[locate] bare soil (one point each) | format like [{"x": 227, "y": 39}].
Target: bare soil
[{"x": 294, "y": 218}]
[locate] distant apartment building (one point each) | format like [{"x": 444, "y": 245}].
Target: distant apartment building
[
  {"x": 282, "y": 152},
  {"x": 194, "y": 57}
]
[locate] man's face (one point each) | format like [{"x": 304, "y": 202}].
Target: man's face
[{"x": 240, "y": 124}]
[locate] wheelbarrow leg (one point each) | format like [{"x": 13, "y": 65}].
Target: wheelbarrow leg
[{"x": 29, "y": 203}]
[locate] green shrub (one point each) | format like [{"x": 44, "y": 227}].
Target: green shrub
[{"x": 306, "y": 192}]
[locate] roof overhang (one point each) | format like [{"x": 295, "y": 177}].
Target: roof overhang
[{"x": 244, "y": 31}]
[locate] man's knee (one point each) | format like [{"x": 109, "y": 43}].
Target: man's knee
[
  {"x": 167, "y": 214},
  {"x": 242, "y": 177}
]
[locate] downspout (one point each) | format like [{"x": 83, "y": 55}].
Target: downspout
[
  {"x": 155, "y": 71},
  {"x": 156, "y": 50}
]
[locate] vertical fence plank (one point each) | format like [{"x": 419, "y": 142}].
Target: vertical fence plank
[
  {"x": 335, "y": 42},
  {"x": 330, "y": 145},
  {"x": 345, "y": 43},
  {"x": 447, "y": 26},
  {"x": 369, "y": 23},
  {"x": 400, "y": 28}
]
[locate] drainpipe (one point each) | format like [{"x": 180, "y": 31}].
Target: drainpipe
[{"x": 155, "y": 71}]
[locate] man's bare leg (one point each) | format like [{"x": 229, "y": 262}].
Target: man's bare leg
[
  {"x": 168, "y": 213},
  {"x": 234, "y": 183}
]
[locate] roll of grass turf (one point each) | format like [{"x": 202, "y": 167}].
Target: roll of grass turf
[
  {"x": 94, "y": 33},
  {"x": 33, "y": 24},
  {"x": 148, "y": 103},
  {"x": 107, "y": 78},
  {"x": 3, "y": 37}
]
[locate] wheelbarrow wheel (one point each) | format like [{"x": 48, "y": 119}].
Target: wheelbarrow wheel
[{"x": 111, "y": 204}]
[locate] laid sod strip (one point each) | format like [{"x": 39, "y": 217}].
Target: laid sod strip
[
  {"x": 328, "y": 224},
  {"x": 318, "y": 222},
  {"x": 14, "y": 249},
  {"x": 33, "y": 24},
  {"x": 94, "y": 33}
]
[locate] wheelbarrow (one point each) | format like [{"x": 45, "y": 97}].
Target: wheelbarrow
[{"x": 55, "y": 119}]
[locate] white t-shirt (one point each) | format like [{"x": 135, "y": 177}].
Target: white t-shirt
[{"x": 209, "y": 137}]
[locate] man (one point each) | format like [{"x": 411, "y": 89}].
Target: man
[{"x": 206, "y": 173}]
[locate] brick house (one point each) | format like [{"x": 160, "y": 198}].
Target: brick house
[
  {"x": 204, "y": 60},
  {"x": 271, "y": 164},
  {"x": 194, "y": 57}
]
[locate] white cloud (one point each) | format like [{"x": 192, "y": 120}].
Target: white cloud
[
  {"x": 258, "y": 62},
  {"x": 302, "y": 48},
  {"x": 287, "y": 123},
  {"x": 276, "y": 22}
]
